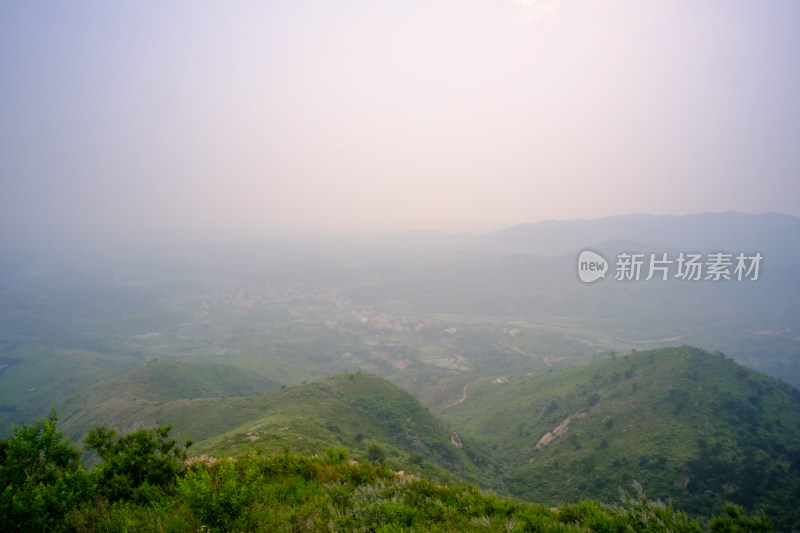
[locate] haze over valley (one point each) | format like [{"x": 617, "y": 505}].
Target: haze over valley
[
  {"x": 375, "y": 252},
  {"x": 147, "y": 336}
]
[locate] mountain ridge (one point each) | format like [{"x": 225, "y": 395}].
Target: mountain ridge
[
  {"x": 358, "y": 411},
  {"x": 692, "y": 427}
]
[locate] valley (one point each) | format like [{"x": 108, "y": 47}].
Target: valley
[{"x": 463, "y": 360}]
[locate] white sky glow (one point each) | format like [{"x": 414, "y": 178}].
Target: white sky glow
[{"x": 192, "y": 120}]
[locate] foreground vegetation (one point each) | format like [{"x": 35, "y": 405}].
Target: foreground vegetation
[{"x": 144, "y": 482}]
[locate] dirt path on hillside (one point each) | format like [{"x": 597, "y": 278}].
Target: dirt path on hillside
[{"x": 460, "y": 398}]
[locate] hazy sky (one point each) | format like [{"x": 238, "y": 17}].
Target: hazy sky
[{"x": 123, "y": 121}]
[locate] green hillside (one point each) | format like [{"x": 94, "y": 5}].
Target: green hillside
[
  {"x": 692, "y": 427},
  {"x": 362, "y": 412},
  {"x": 136, "y": 396},
  {"x": 164, "y": 380}
]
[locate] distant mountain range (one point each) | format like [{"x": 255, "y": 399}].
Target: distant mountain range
[
  {"x": 530, "y": 270},
  {"x": 774, "y": 235}
]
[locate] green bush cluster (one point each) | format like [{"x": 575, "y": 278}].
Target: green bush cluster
[
  {"x": 140, "y": 466},
  {"x": 145, "y": 483},
  {"x": 41, "y": 478}
]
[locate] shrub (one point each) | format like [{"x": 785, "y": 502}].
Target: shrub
[
  {"x": 40, "y": 477},
  {"x": 139, "y": 466},
  {"x": 376, "y": 454},
  {"x": 736, "y": 521}
]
